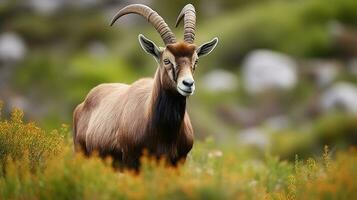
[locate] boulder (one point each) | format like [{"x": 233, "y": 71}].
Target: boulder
[
  {"x": 12, "y": 47},
  {"x": 352, "y": 66},
  {"x": 326, "y": 73},
  {"x": 278, "y": 122},
  {"x": 46, "y": 7},
  {"x": 265, "y": 70},
  {"x": 219, "y": 81},
  {"x": 341, "y": 96},
  {"x": 253, "y": 137}
]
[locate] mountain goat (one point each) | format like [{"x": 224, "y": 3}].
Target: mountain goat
[{"x": 121, "y": 120}]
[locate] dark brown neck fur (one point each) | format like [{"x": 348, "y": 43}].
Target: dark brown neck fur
[{"x": 167, "y": 110}]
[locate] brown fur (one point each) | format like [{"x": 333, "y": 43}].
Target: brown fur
[
  {"x": 122, "y": 120},
  {"x": 182, "y": 49}
]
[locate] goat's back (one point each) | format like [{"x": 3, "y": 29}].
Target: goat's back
[{"x": 108, "y": 111}]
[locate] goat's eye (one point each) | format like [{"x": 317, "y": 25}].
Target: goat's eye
[
  {"x": 194, "y": 66},
  {"x": 167, "y": 61}
]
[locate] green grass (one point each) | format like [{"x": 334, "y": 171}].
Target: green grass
[{"x": 39, "y": 165}]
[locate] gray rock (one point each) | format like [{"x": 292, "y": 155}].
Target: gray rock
[
  {"x": 342, "y": 96},
  {"x": 253, "y": 137},
  {"x": 324, "y": 72},
  {"x": 352, "y": 66},
  {"x": 18, "y": 102},
  {"x": 84, "y": 3},
  {"x": 97, "y": 49},
  {"x": 46, "y": 7},
  {"x": 219, "y": 81},
  {"x": 265, "y": 69},
  {"x": 277, "y": 122},
  {"x": 12, "y": 47}
]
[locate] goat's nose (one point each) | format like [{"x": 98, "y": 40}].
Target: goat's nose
[{"x": 188, "y": 82}]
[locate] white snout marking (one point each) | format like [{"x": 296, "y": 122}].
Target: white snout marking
[{"x": 183, "y": 89}]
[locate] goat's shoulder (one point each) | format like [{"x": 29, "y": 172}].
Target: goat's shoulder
[
  {"x": 107, "y": 88},
  {"x": 142, "y": 84},
  {"x": 141, "y": 88},
  {"x": 98, "y": 93}
]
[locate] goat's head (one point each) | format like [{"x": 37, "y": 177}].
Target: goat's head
[{"x": 178, "y": 59}]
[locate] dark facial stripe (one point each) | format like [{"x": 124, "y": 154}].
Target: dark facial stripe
[{"x": 174, "y": 74}]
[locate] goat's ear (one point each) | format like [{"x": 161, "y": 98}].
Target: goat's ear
[
  {"x": 207, "y": 47},
  {"x": 149, "y": 47}
]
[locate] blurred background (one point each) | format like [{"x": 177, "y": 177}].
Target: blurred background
[{"x": 282, "y": 78}]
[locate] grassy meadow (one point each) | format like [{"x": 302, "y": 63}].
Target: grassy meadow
[
  {"x": 296, "y": 138},
  {"x": 36, "y": 164}
]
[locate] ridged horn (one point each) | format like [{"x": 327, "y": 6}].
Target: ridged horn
[
  {"x": 155, "y": 19},
  {"x": 189, "y": 14}
]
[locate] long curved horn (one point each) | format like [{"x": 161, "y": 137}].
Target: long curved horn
[
  {"x": 189, "y": 14},
  {"x": 155, "y": 19}
]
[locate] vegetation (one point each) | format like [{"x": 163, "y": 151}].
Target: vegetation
[
  {"x": 40, "y": 165},
  {"x": 71, "y": 49}
]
